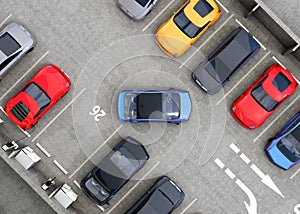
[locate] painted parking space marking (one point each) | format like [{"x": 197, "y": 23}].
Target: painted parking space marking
[
  {"x": 259, "y": 43},
  {"x": 219, "y": 3},
  {"x": 273, "y": 57},
  {"x": 158, "y": 15},
  {"x": 230, "y": 173},
  {"x": 25, "y": 132},
  {"x": 28, "y": 71},
  {"x": 95, "y": 152},
  {"x": 60, "y": 167},
  {"x": 77, "y": 184},
  {"x": 295, "y": 174},
  {"x": 101, "y": 208},
  {"x": 189, "y": 206},
  {"x": 110, "y": 210},
  {"x": 245, "y": 158},
  {"x": 219, "y": 163},
  {"x": 296, "y": 79},
  {"x": 243, "y": 78},
  {"x": 5, "y": 20},
  {"x": 271, "y": 124},
  {"x": 206, "y": 41},
  {"x": 237, "y": 21},
  {"x": 57, "y": 116},
  {"x": 234, "y": 148},
  {"x": 43, "y": 150}
]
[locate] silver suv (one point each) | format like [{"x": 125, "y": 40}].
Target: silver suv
[{"x": 15, "y": 42}]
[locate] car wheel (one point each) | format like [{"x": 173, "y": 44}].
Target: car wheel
[{"x": 31, "y": 49}]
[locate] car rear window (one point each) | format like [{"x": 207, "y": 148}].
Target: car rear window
[
  {"x": 8, "y": 45},
  {"x": 281, "y": 82},
  {"x": 186, "y": 26},
  {"x": 143, "y": 3},
  {"x": 263, "y": 99},
  {"x": 203, "y": 8}
]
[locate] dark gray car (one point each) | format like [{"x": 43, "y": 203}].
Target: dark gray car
[
  {"x": 225, "y": 61},
  {"x": 15, "y": 42},
  {"x": 137, "y": 9}
]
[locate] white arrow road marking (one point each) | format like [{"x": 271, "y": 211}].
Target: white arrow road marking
[
  {"x": 265, "y": 179},
  {"x": 252, "y": 208}
]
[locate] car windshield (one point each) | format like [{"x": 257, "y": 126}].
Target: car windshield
[
  {"x": 281, "y": 82},
  {"x": 186, "y": 26},
  {"x": 143, "y": 3},
  {"x": 96, "y": 189},
  {"x": 290, "y": 145},
  {"x": 38, "y": 95},
  {"x": 218, "y": 70},
  {"x": 203, "y": 8},
  {"x": 8, "y": 45},
  {"x": 171, "y": 106},
  {"x": 263, "y": 99}
]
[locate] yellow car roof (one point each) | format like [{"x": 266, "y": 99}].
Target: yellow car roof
[{"x": 195, "y": 17}]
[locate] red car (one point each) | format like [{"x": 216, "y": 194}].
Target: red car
[
  {"x": 263, "y": 97},
  {"x": 37, "y": 96}
]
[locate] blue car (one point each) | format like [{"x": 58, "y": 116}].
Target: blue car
[
  {"x": 173, "y": 106},
  {"x": 284, "y": 149}
]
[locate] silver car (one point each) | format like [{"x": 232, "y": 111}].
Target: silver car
[
  {"x": 15, "y": 42},
  {"x": 137, "y": 9}
]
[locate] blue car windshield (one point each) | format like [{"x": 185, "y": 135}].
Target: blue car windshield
[
  {"x": 171, "y": 106},
  {"x": 290, "y": 145}
]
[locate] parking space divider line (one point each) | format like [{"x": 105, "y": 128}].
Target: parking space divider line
[
  {"x": 259, "y": 43},
  {"x": 204, "y": 43},
  {"x": 276, "y": 119},
  {"x": 60, "y": 167},
  {"x": 110, "y": 210},
  {"x": 156, "y": 17},
  {"x": 95, "y": 152},
  {"x": 227, "y": 11},
  {"x": 43, "y": 150},
  {"x": 5, "y": 20},
  {"x": 25, "y": 132},
  {"x": 295, "y": 174},
  {"x": 277, "y": 60},
  {"x": 234, "y": 148},
  {"x": 188, "y": 207},
  {"x": 242, "y": 25},
  {"x": 244, "y": 77},
  {"x": 60, "y": 113},
  {"x": 77, "y": 184},
  {"x": 29, "y": 70}
]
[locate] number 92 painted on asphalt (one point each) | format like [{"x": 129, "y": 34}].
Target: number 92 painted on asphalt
[{"x": 97, "y": 112}]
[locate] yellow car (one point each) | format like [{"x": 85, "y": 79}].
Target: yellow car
[{"x": 185, "y": 27}]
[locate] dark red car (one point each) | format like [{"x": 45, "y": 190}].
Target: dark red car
[
  {"x": 263, "y": 97},
  {"x": 37, "y": 96}
]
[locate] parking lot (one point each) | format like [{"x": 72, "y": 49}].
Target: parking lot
[{"x": 211, "y": 157}]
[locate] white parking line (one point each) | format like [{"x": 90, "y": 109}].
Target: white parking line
[
  {"x": 244, "y": 77},
  {"x": 156, "y": 17},
  {"x": 77, "y": 184},
  {"x": 296, "y": 79},
  {"x": 29, "y": 70},
  {"x": 230, "y": 173},
  {"x": 278, "y": 62},
  {"x": 227, "y": 11},
  {"x": 119, "y": 201},
  {"x": 245, "y": 158},
  {"x": 234, "y": 148},
  {"x": 43, "y": 150},
  {"x": 62, "y": 111},
  {"x": 295, "y": 174},
  {"x": 242, "y": 25},
  {"x": 95, "y": 152},
  {"x": 60, "y": 167},
  {"x": 219, "y": 163},
  {"x": 259, "y": 43},
  {"x": 204, "y": 43},
  {"x": 101, "y": 208},
  {"x": 5, "y": 20},
  {"x": 276, "y": 119},
  {"x": 188, "y": 207},
  {"x": 25, "y": 132}
]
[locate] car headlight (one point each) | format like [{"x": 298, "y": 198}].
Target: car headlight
[
  {"x": 233, "y": 109},
  {"x": 252, "y": 127},
  {"x": 175, "y": 54},
  {"x": 156, "y": 36}
]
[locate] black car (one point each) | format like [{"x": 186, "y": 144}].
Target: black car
[
  {"x": 225, "y": 61},
  {"x": 162, "y": 198},
  {"x": 106, "y": 179}
]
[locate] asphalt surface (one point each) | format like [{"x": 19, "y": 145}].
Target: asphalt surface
[{"x": 103, "y": 52}]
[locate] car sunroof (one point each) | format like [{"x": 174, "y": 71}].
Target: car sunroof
[
  {"x": 203, "y": 8},
  {"x": 281, "y": 82}
]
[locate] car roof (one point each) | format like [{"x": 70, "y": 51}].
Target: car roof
[{"x": 149, "y": 105}]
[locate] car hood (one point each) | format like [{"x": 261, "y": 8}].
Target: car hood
[
  {"x": 250, "y": 112},
  {"x": 206, "y": 80},
  {"x": 20, "y": 35},
  {"x": 278, "y": 158},
  {"x": 132, "y": 7}
]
